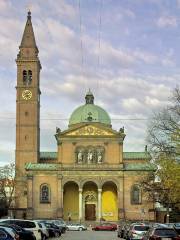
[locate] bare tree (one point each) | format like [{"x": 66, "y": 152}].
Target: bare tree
[{"x": 164, "y": 129}]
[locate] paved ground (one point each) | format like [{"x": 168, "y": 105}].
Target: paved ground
[{"x": 88, "y": 235}]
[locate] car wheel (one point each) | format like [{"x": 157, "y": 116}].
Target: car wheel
[
  {"x": 80, "y": 229},
  {"x": 56, "y": 234},
  {"x": 43, "y": 237}
]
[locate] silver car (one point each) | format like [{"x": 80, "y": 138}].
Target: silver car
[
  {"x": 137, "y": 231},
  {"x": 75, "y": 227}
]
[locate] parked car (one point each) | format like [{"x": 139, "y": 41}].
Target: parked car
[
  {"x": 53, "y": 230},
  {"x": 44, "y": 231},
  {"x": 76, "y": 227},
  {"x": 23, "y": 234},
  {"x": 137, "y": 231},
  {"x": 27, "y": 225},
  {"x": 8, "y": 233},
  {"x": 61, "y": 224},
  {"x": 105, "y": 227},
  {"x": 176, "y": 226},
  {"x": 161, "y": 233}
]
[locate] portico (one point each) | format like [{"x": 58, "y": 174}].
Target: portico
[{"x": 89, "y": 201}]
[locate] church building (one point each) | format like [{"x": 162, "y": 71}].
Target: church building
[{"x": 89, "y": 177}]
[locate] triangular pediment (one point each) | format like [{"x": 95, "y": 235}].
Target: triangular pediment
[{"x": 90, "y": 130}]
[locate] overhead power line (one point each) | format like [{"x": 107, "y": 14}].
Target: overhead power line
[
  {"x": 64, "y": 119},
  {"x": 99, "y": 45},
  {"x": 81, "y": 43}
]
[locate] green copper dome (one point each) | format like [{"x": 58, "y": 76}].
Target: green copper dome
[{"x": 89, "y": 112}]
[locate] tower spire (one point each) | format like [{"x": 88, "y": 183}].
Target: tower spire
[{"x": 28, "y": 39}]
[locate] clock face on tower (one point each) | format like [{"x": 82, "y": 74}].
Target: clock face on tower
[{"x": 26, "y": 94}]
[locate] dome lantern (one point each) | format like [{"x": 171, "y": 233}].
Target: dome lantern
[{"x": 89, "y": 98}]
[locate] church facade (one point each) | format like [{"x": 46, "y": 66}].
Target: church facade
[{"x": 89, "y": 177}]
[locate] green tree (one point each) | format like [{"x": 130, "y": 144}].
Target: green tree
[
  {"x": 163, "y": 186},
  {"x": 7, "y": 186}
]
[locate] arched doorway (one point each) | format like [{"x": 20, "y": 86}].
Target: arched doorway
[
  {"x": 90, "y": 203},
  {"x": 71, "y": 201},
  {"x": 109, "y": 201}
]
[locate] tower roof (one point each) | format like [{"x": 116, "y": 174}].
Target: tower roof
[{"x": 28, "y": 39}]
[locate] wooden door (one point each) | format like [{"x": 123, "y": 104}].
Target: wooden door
[{"x": 90, "y": 212}]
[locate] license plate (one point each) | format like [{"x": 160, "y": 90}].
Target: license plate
[{"x": 166, "y": 238}]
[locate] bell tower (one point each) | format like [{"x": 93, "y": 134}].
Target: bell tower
[{"x": 27, "y": 104}]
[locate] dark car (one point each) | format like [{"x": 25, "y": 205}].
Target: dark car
[
  {"x": 161, "y": 233},
  {"x": 4, "y": 235},
  {"x": 7, "y": 233},
  {"x": 105, "y": 227},
  {"x": 53, "y": 230},
  {"x": 60, "y": 223},
  {"x": 176, "y": 226},
  {"x": 23, "y": 234}
]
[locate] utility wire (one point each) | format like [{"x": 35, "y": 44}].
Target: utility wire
[
  {"x": 81, "y": 43},
  {"x": 99, "y": 45},
  {"x": 55, "y": 119}
]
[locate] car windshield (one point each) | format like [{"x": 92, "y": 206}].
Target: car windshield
[
  {"x": 177, "y": 224},
  {"x": 24, "y": 224},
  {"x": 165, "y": 232},
  {"x": 141, "y": 228}
]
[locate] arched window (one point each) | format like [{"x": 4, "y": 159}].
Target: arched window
[
  {"x": 44, "y": 193},
  {"x": 29, "y": 77},
  {"x": 24, "y": 77},
  {"x": 135, "y": 194}
]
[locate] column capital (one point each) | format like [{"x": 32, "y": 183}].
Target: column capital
[
  {"x": 80, "y": 189},
  {"x": 99, "y": 189}
]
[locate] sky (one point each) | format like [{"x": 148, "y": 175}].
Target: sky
[{"x": 125, "y": 51}]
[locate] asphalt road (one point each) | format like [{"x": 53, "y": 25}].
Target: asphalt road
[{"x": 88, "y": 235}]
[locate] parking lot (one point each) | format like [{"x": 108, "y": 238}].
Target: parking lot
[{"x": 88, "y": 235}]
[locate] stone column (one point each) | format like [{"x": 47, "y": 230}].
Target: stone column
[
  {"x": 120, "y": 193},
  {"x": 30, "y": 208},
  {"x": 59, "y": 197},
  {"x": 99, "y": 204},
  {"x": 80, "y": 204}
]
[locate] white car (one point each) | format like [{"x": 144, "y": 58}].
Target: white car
[
  {"x": 45, "y": 233},
  {"x": 75, "y": 227},
  {"x": 27, "y": 225}
]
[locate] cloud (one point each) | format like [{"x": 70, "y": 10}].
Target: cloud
[
  {"x": 133, "y": 76},
  {"x": 63, "y": 9},
  {"x": 167, "y": 21},
  {"x": 131, "y": 104},
  {"x": 5, "y": 5},
  {"x": 167, "y": 62}
]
